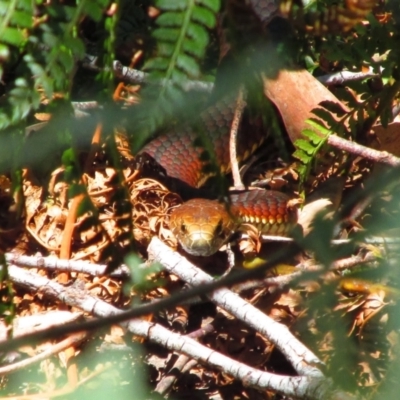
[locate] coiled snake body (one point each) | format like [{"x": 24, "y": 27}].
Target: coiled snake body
[{"x": 202, "y": 226}]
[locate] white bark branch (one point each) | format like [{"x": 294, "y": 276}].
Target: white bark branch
[
  {"x": 301, "y": 358},
  {"x": 41, "y": 321},
  {"x": 55, "y": 264},
  {"x": 306, "y": 387},
  {"x": 53, "y": 350}
]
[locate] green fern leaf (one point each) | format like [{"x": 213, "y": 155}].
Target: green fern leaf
[
  {"x": 171, "y": 5},
  {"x": 158, "y": 64},
  {"x": 318, "y": 125},
  {"x": 165, "y": 49},
  {"x": 25, "y": 5},
  {"x": 169, "y": 35},
  {"x": 305, "y": 146},
  {"x": 12, "y": 36},
  {"x": 190, "y": 47},
  {"x": 204, "y": 17},
  {"x": 188, "y": 65},
  {"x": 22, "y": 19},
  {"x": 308, "y": 147},
  {"x": 312, "y": 136},
  {"x": 171, "y": 19},
  {"x": 211, "y": 4},
  {"x": 198, "y": 33},
  {"x": 182, "y": 37},
  {"x": 300, "y": 155},
  {"x": 178, "y": 76}
]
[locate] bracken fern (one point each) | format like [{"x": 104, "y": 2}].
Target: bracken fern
[
  {"x": 39, "y": 44},
  {"x": 182, "y": 38}
]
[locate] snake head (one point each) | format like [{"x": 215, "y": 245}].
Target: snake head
[{"x": 202, "y": 226}]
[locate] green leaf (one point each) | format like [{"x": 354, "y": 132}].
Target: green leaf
[
  {"x": 4, "y": 121},
  {"x": 58, "y": 74},
  {"x": 35, "y": 68},
  {"x": 4, "y": 53},
  {"x": 386, "y": 117},
  {"x": 171, "y": 5},
  {"x": 157, "y": 64},
  {"x": 20, "y": 83},
  {"x": 305, "y": 146},
  {"x": 50, "y": 39},
  {"x": 66, "y": 60},
  {"x": 199, "y": 34},
  {"x": 182, "y": 39},
  {"x": 75, "y": 45},
  {"x": 93, "y": 10},
  {"x": 190, "y": 46},
  {"x": 171, "y": 19},
  {"x": 188, "y": 64},
  {"x": 22, "y": 19},
  {"x": 3, "y": 7},
  {"x": 13, "y": 36},
  {"x": 26, "y": 5},
  {"x": 169, "y": 35},
  {"x": 213, "y": 5},
  {"x": 20, "y": 110},
  {"x": 300, "y": 155},
  {"x": 317, "y": 125},
  {"x": 312, "y": 136},
  {"x": 204, "y": 17},
  {"x": 165, "y": 49},
  {"x": 178, "y": 76}
]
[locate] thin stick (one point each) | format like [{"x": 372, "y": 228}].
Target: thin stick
[
  {"x": 240, "y": 105},
  {"x": 72, "y": 340},
  {"x": 365, "y": 152}
]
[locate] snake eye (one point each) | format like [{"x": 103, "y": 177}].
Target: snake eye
[
  {"x": 183, "y": 228},
  {"x": 219, "y": 228}
]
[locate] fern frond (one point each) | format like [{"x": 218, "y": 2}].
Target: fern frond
[
  {"x": 47, "y": 57},
  {"x": 182, "y": 38},
  {"x": 308, "y": 148},
  {"x": 14, "y": 16}
]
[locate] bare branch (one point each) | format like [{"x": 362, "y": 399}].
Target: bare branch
[
  {"x": 366, "y": 152},
  {"x": 55, "y": 264},
  {"x": 53, "y": 350},
  {"x": 239, "y": 108},
  {"x": 310, "y": 387},
  {"x": 301, "y": 358}
]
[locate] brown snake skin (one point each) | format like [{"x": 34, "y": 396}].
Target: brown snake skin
[{"x": 202, "y": 226}]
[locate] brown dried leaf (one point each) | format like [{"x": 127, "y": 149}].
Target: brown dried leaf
[{"x": 293, "y": 84}]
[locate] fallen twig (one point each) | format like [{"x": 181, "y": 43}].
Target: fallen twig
[
  {"x": 301, "y": 358},
  {"x": 311, "y": 387},
  {"x": 363, "y": 151},
  {"x": 239, "y": 108},
  {"x": 72, "y": 340},
  {"x": 341, "y": 77},
  {"x": 55, "y": 264}
]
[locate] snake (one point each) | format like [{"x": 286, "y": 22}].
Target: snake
[{"x": 201, "y": 225}]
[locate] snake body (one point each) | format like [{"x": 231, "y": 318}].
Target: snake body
[{"x": 202, "y": 226}]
